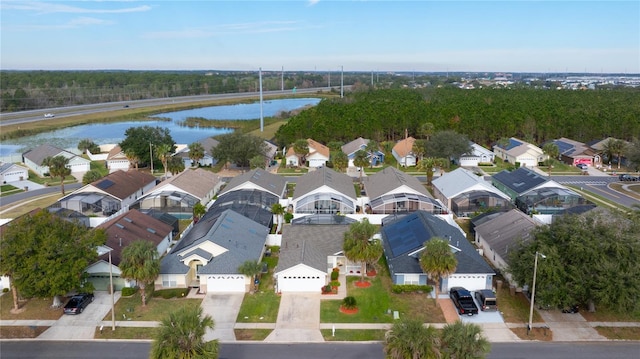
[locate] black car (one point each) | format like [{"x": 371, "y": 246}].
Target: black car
[
  {"x": 627, "y": 177},
  {"x": 463, "y": 301},
  {"x": 77, "y": 303}
]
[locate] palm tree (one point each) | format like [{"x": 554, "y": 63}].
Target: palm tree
[
  {"x": 360, "y": 246},
  {"x": 175, "y": 165},
  {"x": 372, "y": 148},
  {"x": 278, "y": 210},
  {"x": 419, "y": 148},
  {"x": 428, "y": 164},
  {"x": 132, "y": 156},
  {"x": 196, "y": 153},
  {"x": 360, "y": 160},
  {"x": 613, "y": 147},
  {"x": 181, "y": 335},
  {"x": 340, "y": 160},
  {"x": 437, "y": 260},
  {"x": 163, "y": 152},
  {"x": 250, "y": 269},
  {"x": 552, "y": 151},
  {"x": 199, "y": 210},
  {"x": 463, "y": 340},
  {"x": 301, "y": 148},
  {"x": 410, "y": 339},
  {"x": 140, "y": 262},
  {"x": 58, "y": 168}
]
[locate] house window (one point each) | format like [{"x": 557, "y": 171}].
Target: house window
[
  {"x": 168, "y": 281},
  {"x": 411, "y": 279},
  {"x": 198, "y": 267}
]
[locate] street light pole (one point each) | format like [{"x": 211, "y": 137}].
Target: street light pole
[{"x": 533, "y": 288}]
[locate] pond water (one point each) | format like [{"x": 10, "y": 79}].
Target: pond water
[{"x": 104, "y": 133}]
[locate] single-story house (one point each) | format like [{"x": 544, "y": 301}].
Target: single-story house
[
  {"x": 552, "y": 198},
  {"x": 307, "y": 255},
  {"x": 518, "y": 151},
  {"x": 360, "y": 144},
  {"x": 117, "y": 160},
  {"x": 478, "y": 155},
  {"x": 403, "y": 239},
  {"x": 11, "y": 172},
  {"x": 178, "y": 194},
  {"x": 517, "y": 182},
  {"x": 33, "y": 159},
  {"x": 324, "y": 191},
  {"x": 122, "y": 231},
  {"x": 392, "y": 191},
  {"x": 501, "y": 233},
  {"x": 575, "y": 153},
  {"x": 464, "y": 193},
  {"x": 403, "y": 152},
  {"x": 600, "y": 146},
  {"x": 317, "y": 156},
  {"x": 209, "y": 256},
  {"x": 258, "y": 179},
  {"x": 109, "y": 194},
  {"x": 207, "y": 160}
]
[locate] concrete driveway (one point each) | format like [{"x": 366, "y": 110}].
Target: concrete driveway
[
  {"x": 223, "y": 308},
  {"x": 83, "y": 325},
  {"x": 569, "y": 327},
  {"x": 298, "y": 319}
]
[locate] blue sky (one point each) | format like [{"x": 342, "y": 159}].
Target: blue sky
[{"x": 322, "y": 35}]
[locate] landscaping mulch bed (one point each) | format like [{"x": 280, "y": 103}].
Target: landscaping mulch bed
[{"x": 348, "y": 310}]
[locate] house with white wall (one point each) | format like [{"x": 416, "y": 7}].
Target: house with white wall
[
  {"x": 403, "y": 152},
  {"x": 518, "y": 151}
]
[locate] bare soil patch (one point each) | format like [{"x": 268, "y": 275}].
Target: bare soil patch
[{"x": 18, "y": 332}]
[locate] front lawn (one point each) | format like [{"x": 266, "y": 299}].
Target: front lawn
[
  {"x": 34, "y": 308},
  {"x": 353, "y": 335},
  {"x": 619, "y": 333},
  {"x": 262, "y": 306},
  {"x": 515, "y": 308},
  {"x": 252, "y": 334},
  {"x": 20, "y": 332},
  {"x": 130, "y": 308},
  {"x": 125, "y": 333}
]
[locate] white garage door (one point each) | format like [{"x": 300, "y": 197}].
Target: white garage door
[
  {"x": 15, "y": 176},
  {"x": 468, "y": 281},
  {"x": 225, "y": 283},
  {"x": 300, "y": 283},
  {"x": 316, "y": 162}
]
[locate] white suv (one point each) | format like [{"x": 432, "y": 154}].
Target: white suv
[{"x": 49, "y": 115}]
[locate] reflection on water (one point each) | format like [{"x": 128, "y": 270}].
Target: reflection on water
[{"x": 103, "y": 133}]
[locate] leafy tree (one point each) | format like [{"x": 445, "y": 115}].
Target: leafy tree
[
  {"x": 426, "y": 130},
  {"x": 138, "y": 141},
  {"x": 335, "y": 145},
  {"x": 175, "y": 165},
  {"x": 163, "y": 152},
  {"x": 340, "y": 160},
  {"x": 238, "y": 148},
  {"x": 46, "y": 256},
  {"x": 429, "y": 164},
  {"x": 196, "y": 152},
  {"x": 360, "y": 246},
  {"x": 133, "y": 158},
  {"x": 58, "y": 168},
  {"x": 278, "y": 210},
  {"x": 140, "y": 262},
  {"x": 591, "y": 260},
  {"x": 410, "y": 339},
  {"x": 552, "y": 151},
  {"x": 361, "y": 160},
  {"x": 91, "y": 176},
  {"x": 199, "y": 210},
  {"x": 613, "y": 147},
  {"x": 257, "y": 162},
  {"x": 181, "y": 335},
  {"x": 301, "y": 148},
  {"x": 463, "y": 340},
  {"x": 448, "y": 144},
  {"x": 437, "y": 260},
  {"x": 633, "y": 154},
  {"x": 419, "y": 148},
  {"x": 88, "y": 145}
]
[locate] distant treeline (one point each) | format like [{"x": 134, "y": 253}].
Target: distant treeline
[
  {"x": 30, "y": 90},
  {"x": 484, "y": 115}
]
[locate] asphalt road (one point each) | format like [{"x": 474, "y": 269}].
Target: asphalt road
[
  {"x": 32, "y": 194},
  {"x": 598, "y": 185},
  {"x": 12, "y": 118},
  {"x": 124, "y": 350}
]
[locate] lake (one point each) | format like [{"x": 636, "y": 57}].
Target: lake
[{"x": 104, "y": 133}]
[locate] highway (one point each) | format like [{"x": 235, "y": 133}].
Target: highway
[
  {"x": 35, "y": 349},
  {"x": 13, "y": 118}
]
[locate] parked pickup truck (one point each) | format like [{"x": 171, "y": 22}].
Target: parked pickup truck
[{"x": 463, "y": 301}]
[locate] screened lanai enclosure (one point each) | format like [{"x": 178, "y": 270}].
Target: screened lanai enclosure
[
  {"x": 325, "y": 203},
  {"x": 251, "y": 203},
  {"x": 549, "y": 200},
  {"x": 404, "y": 202},
  {"x": 469, "y": 203},
  {"x": 90, "y": 204},
  {"x": 175, "y": 203}
]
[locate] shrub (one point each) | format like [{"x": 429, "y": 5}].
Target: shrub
[
  {"x": 335, "y": 283},
  {"x": 411, "y": 288},
  {"x": 5, "y": 290},
  {"x": 327, "y": 289},
  {"x": 288, "y": 217},
  {"x": 171, "y": 293},
  {"x": 349, "y": 302},
  {"x": 129, "y": 291},
  {"x": 335, "y": 275}
]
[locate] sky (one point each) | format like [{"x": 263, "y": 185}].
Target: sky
[{"x": 322, "y": 35}]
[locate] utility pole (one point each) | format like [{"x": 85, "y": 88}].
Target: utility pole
[
  {"x": 261, "y": 116},
  {"x": 341, "y": 81},
  {"x": 282, "y": 80},
  {"x": 151, "y": 157}
]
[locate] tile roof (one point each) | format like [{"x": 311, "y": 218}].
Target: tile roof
[
  {"x": 324, "y": 176},
  {"x": 122, "y": 184},
  {"x": 310, "y": 245},
  {"x": 131, "y": 226},
  {"x": 404, "y": 235},
  {"x": 389, "y": 179}
]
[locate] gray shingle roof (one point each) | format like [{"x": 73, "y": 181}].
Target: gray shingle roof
[
  {"x": 270, "y": 182},
  {"x": 324, "y": 176},
  {"x": 196, "y": 182},
  {"x": 407, "y": 234},
  {"x": 243, "y": 238},
  {"x": 38, "y": 154},
  {"x": 355, "y": 145},
  {"x": 310, "y": 245},
  {"x": 388, "y": 180},
  {"x": 503, "y": 231}
]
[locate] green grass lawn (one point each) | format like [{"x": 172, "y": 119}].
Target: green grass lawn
[
  {"x": 34, "y": 308},
  {"x": 130, "y": 308},
  {"x": 125, "y": 333},
  {"x": 352, "y": 335},
  {"x": 262, "y": 306},
  {"x": 252, "y": 334},
  {"x": 7, "y": 189}
]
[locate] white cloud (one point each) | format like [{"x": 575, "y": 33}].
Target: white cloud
[
  {"x": 239, "y": 28},
  {"x": 48, "y": 8},
  {"x": 313, "y": 2}
]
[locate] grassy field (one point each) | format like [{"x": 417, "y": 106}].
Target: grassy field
[
  {"x": 34, "y": 308},
  {"x": 18, "y": 209},
  {"x": 131, "y": 308}
]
